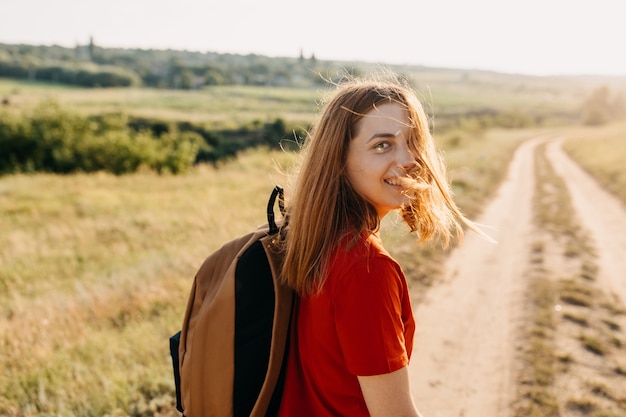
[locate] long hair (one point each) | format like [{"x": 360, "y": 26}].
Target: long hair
[{"x": 325, "y": 208}]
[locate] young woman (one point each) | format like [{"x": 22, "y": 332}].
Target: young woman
[{"x": 371, "y": 152}]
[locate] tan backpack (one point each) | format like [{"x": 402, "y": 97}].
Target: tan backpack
[{"x": 228, "y": 357}]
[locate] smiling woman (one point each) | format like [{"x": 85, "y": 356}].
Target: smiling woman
[
  {"x": 370, "y": 153},
  {"x": 378, "y": 158}
]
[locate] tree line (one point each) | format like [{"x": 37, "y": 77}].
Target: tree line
[{"x": 93, "y": 66}]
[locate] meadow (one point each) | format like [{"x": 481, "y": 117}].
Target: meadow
[
  {"x": 219, "y": 107},
  {"x": 96, "y": 268},
  {"x": 600, "y": 151},
  {"x": 448, "y": 95}
]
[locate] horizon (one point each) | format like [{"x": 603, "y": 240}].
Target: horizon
[{"x": 534, "y": 38}]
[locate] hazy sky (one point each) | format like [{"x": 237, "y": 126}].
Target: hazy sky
[{"x": 531, "y": 36}]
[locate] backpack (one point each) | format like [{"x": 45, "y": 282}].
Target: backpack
[{"x": 228, "y": 356}]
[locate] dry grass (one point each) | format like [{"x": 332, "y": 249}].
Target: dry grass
[
  {"x": 602, "y": 152},
  {"x": 95, "y": 273},
  {"x": 219, "y": 106}
]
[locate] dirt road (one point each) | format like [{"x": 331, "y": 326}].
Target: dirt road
[{"x": 463, "y": 361}]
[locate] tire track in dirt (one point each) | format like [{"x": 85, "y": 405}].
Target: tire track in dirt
[
  {"x": 462, "y": 363},
  {"x": 600, "y": 213}
]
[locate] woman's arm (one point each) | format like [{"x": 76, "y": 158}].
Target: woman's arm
[{"x": 389, "y": 395}]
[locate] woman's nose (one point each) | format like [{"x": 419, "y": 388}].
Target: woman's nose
[{"x": 405, "y": 158}]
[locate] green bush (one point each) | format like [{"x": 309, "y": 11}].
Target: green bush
[
  {"x": 54, "y": 140},
  {"x": 178, "y": 152},
  {"x": 16, "y": 145}
]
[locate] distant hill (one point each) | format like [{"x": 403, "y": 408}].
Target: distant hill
[{"x": 93, "y": 66}]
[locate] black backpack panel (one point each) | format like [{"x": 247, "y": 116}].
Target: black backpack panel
[{"x": 254, "y": 314}]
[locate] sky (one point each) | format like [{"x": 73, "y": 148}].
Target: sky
[{"x": 536, "y": 37}]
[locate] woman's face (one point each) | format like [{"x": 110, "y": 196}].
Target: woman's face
[{"x": 379, "y": 155}]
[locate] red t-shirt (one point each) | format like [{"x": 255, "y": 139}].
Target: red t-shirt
[{"x": 361, "y": 323}]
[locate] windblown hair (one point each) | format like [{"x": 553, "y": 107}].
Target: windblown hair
[{"x": 325, "y": 208}]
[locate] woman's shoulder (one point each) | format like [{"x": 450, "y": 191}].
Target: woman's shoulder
[
  {"x": 363, "y": 263},
  {"x": 356, "y": 250}
]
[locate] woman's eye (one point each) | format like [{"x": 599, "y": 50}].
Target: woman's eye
[{"x": 381, "y": 146}]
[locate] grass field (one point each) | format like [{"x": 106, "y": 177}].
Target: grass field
[
  {"x": 446, "y": 94},
  {"x": 227, "y": 106},
  {"x": 602, "y": 152},
  {"x": 95, "y": 271}
]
